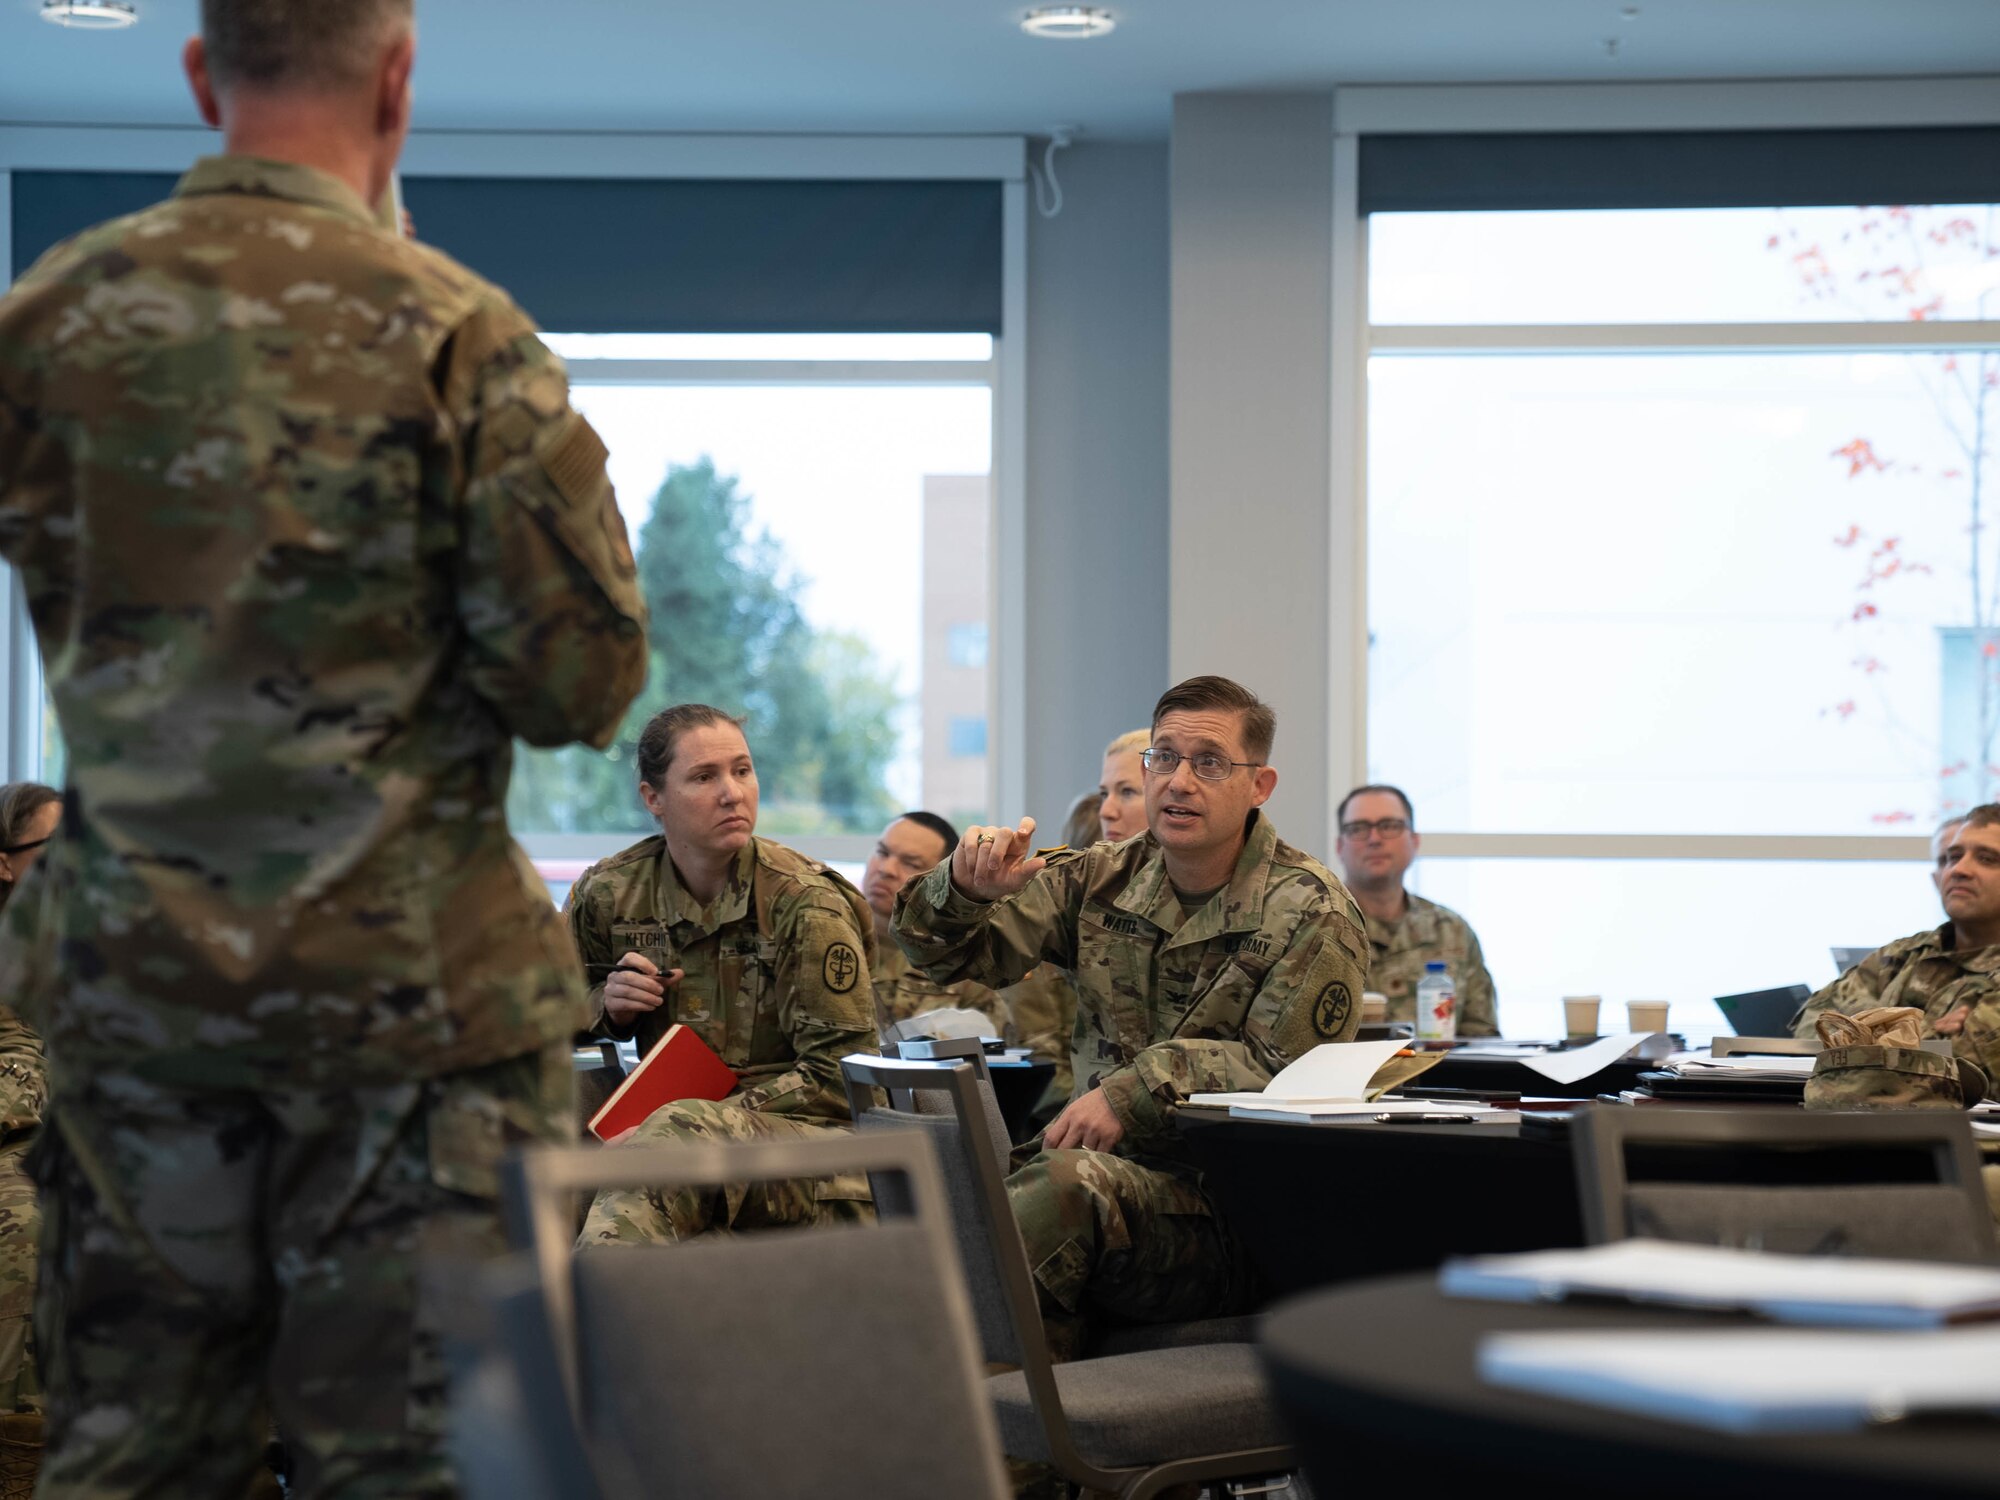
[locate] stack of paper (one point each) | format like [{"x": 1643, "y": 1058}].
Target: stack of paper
[
  {"x": 1853, "y": 1292},
  {"x": 1755, "y": 1065},
  {"x": 1332, "y": 1082},
  {"x": 1755, "y": 1380}
]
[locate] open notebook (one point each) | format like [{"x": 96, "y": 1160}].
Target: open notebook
[{"x": 1337, "y": 1081}]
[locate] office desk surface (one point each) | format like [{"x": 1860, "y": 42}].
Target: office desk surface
[
  {"x": 1317, "y": 1204},
  {"x": 1379, "y": 1383}
]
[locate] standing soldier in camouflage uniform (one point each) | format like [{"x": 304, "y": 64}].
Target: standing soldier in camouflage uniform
[
  {"x": 1951, "y": 974},
  {"x": 1207, "y": 954},
  {"x": 1377, "y": 844},
  {"x": 762, "y": 952},
  {"x": 29, "y": 815},
  {"x": 310, "y": 534},
  {"x": 914, "y": 843}
]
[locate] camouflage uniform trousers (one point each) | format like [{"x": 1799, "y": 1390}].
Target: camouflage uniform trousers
[
  {"x": 214, "y": 1261},
  {"x": 656, "y": 1216},
  {"x": 20, "y": 1234},
  {"x": 1112, "y": 1240}
]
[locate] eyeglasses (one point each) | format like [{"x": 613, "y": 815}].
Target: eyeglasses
[
  {"x": 1208, "y": 765},
  {"x": 1389, "y": 828}
]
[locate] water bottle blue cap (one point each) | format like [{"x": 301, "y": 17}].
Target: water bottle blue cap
[{"x": 1433, "y": 968}]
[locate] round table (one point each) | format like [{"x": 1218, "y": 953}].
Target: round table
[{"x": 1379, "y": 1383}]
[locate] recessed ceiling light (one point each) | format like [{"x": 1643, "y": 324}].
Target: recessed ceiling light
[
  {"x": 90, "y": 15},
  {"x": 1068, "y": 22}
]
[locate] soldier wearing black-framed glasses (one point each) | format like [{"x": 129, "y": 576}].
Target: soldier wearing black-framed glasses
[
  {"x": 1378, "y": 843},
  {"x": 1208, "y": 766}
]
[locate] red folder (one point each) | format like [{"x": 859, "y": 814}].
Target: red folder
[{"x": 680, "y": 1066}]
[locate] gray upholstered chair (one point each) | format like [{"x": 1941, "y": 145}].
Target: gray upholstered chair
[
  {"x": 1131, "y": 1424},
  {"x": 1899, "y": 1183},
  {"x": 813, "y": 1362},
  {"x": 512, "y": 1434}
]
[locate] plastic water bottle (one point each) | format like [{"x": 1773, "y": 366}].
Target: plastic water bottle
[{"x": 1437, "y": 1005}]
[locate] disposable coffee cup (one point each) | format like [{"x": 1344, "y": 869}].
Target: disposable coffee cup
[
  {"x": 1646, "y": 1015},
  {"x": 1580, "y": 1014},
  {"x": 1374, "y": 1009}
]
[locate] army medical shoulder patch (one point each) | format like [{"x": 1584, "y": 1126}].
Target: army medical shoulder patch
[
  {"x": 840, "y": 968},
  {"x": 1331, "y": 1010}
]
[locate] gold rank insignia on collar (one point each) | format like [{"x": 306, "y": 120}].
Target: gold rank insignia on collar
[{"x": 1052, "y": 849}]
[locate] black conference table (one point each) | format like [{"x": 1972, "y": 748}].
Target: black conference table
[
  {"x": 1315, "y": 1204},
  {"x": 1379, "y": 1384}
]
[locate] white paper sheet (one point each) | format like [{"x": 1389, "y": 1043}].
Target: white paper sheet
[
  {"x": 1331, "y": 1073},
  {"x": 1324, "y": 1109},
  {"x": 1754, "y": 1380},
  {"x": 1581, "y": 1062},
  {"x": 1843, "y": 1290}
]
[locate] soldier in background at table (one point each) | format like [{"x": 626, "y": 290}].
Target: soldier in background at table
[
  {"x": 1940, "y": 842},
  {"x": 914, "y": 843},
  {"x": 1207, "y": 956},
  {"x": 1378, "y": 843},
  {"x": 1951, "y": 973},
  {"x": 760, "y": 951}
]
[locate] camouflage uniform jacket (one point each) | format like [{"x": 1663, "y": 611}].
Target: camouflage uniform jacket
[
  {"x": 1427, "y": 934},
  {"x": 24, "y": 1084},
  {"x": 309, "y": 534},
  {"x": 1927, "y": 972},
  {"x": 1044, "y": 1018},
  {"x": 776, "y": 967},
  {"x": 1168, "y": 1004},
  {"x": 902, "y": 992}
]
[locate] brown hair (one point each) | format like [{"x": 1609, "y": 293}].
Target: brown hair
[
  {"x": 1386, "y": 790},
  {"x": 19, "y": 802},
  {"x": 1080, "y": 826},
  {"x": 293, "y": 44},
  {"x": 1986, "y": 815},
  {"x": 1220, "y": 695},
  {"x": 663, "y": 732}
]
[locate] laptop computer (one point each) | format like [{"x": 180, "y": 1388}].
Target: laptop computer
[
  {"x": 1763, "y": 1012},
  {"x": 1846, "y": 958}
]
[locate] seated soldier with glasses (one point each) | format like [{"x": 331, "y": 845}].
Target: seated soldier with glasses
[
  {"x": 1207, "y": 953},
  {"x": 1378, "y": 842}
]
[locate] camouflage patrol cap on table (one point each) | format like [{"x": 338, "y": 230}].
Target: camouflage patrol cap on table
[{"x": 1875, "y": 1060}]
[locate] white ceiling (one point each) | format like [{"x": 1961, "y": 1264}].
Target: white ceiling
[{"x": 963, "y": 66}]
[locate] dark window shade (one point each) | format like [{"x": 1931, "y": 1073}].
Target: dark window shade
[
  {"x": 626, "y": 256},
  {"x": 49, "y": 207},
  {"x": 1679, "y": 169}
]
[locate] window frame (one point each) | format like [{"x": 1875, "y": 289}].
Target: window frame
[
  {"x": 1357, "y": 339},
  {"x": 997, "y": 158}
]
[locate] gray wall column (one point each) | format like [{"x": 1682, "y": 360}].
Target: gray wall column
[
  {"x": 1097, "y": 467},
  {"x": 1251, "y": 396}
]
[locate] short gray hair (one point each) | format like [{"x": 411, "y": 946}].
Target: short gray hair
[{"x": 289, "y": 44}]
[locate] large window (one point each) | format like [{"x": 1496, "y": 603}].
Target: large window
[
  {"x": 810, "y": 515},
  {"x": 1679, "y": 528}
]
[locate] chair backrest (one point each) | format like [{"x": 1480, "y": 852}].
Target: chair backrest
[
  {"x": 856, "y": 1340},
  {"x": 1901, "y": 1184},
  {"x": 512, "y": 1434},
  {"x": 954, "y": 1107}
]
